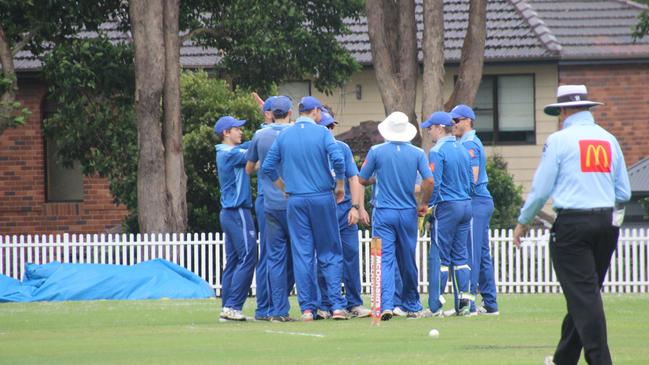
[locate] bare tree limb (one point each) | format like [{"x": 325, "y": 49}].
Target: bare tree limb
[
  {"x": 26, "y": 38},
  {"x": 200, "y": 31},
  {"x": 433, "y": 63}
]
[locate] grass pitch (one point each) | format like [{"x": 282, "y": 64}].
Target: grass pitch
[{"x": 188, "y": 332}]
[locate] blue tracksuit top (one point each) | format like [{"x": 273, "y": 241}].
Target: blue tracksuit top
[
  {"x": 451, "y": 166},
  {"x": 350, "y": 169},
  {"x": 474, "y": 146},
  {"x": 233, "y": 180},
  {"x": 396, "y": 165},
  {"x": 582, "y": 167},
  {"x": 259, "y": 147},
  {"x": 305, "y": 151}
]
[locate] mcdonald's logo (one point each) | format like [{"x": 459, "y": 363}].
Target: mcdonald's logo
[{"x": 595, "y": 155}]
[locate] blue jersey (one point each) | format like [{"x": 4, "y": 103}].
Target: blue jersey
[
  {"x": 305, "y": 151},
  {"x": 350, "y": 169},
  {"x": 582, "y": 167},
  {"x": 451, "y": 168},
  {"x": 474, "y": 146},
  {"x": 233, "y": 181},
  {"x": 259, "y": 147},
  {"x": 396, "y": 165}
]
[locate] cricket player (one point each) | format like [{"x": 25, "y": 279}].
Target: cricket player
[
  {"x": 235, "y": 217},
  {"x": 482, "y": 205},
  {"x": 451, "y": 223},
  {"x": 276, "y": 250},
  {"x": 349, "y": 212},
  {"x": 396, "y": 163},
  {"x": 305, "y": 152}
]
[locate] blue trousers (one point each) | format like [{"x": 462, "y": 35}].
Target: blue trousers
[
  {"x": 397, "y": 229},
  {"x": 448, "y": 252},
  {"x": 261, "y": 277},
  {"x": 351, "y": 271},
  {"x": 240, "y": 253},
  {"x": 314, "y": 236},
  {"x": 279, "y": 262},
  {"x": 482, "y": 269}
]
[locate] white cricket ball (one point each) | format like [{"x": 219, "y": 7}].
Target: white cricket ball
[{"x": 433, "y": 333}]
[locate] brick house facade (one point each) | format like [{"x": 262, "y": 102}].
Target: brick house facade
[
  {"x": 624, "y": 88},
  {"x": 24, "y": 205}
]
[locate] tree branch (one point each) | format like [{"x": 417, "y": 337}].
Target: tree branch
[{"x": 26, "y": 38}]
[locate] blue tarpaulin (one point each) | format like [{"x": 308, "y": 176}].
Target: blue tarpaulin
[{"x": 55, "y": 281}]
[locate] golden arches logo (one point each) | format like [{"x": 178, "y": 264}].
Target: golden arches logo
[{"x": 597, "y": 151}]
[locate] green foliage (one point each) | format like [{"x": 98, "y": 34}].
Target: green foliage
[
  {"x": 92, "y": 92},
  {"x": 641, "y": 29},
  {"x": 645, "y": 203},
  {"x": 507, "y": 195},
  {"x": 269, "y": 41},
  {"x": 203, "y": 100}
]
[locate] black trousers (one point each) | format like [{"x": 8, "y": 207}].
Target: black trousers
[{"x": 581, "y": 246}]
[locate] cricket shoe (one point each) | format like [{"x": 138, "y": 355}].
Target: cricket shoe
[
  {"x": 281, "y": 319},
  {"x": 549, "y": 360},
  {"x": 223, "y": 317},
  {"x": 386, "y": 315},
  {"x": 449, "y": 313},
  {"x": 486, "y": 311},
  {"x": 359, "y": 312},
  {"x": 398, "y": 312},
  {"x": 339, "y": 314},
  {"x": 322, "y": 314},
  {"x": 263, "y": 318},
  {"x": 425, "y": 313},
  {"x": 235, "y": 315},
  {"x": 307, "y": 316}
]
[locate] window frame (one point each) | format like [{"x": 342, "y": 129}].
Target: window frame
[{"x": 495, "y": 140}]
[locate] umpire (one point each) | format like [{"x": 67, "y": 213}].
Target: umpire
[{"x": 583, "y": 169}]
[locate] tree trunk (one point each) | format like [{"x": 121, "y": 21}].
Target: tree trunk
[
  {"x": 471, "y": 63},
  {"x": 148, "y": 38},
  {"x": 8, "y": 71},
  {"x": 172, "y": 125},
  {"x": 433, "y": 64},
  {"x": 392, "y": 31}
]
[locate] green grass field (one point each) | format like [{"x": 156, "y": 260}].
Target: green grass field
[{"x": 188, "y": 332}]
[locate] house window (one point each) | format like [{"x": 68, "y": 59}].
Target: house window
[
  {"x": 504, "y": 109},
  {"x": 64, "y": 184},
  {"x": 296, "y": 90}
]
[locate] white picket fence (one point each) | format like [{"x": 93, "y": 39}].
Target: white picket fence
[{"x": 525, "y": 270}]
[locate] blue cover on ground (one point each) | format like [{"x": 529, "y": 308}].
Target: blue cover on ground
[{"x": 55, "y": 281}]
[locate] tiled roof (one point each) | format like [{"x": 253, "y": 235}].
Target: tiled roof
[
  {"x": 639, "y": 176},
  {"x": 509, "y": 35},
  {"x": 517, "y": 30},
  {"x": 593, "y": 29}
]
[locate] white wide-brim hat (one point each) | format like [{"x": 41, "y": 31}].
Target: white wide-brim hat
[
  {"x": 397, "y": 128},
  {"x": 570, "y": 96}
]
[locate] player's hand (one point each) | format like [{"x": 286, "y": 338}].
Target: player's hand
[
  {"x": 352, "y": 217},
  {"x": 340, "y": 191},
  {"x": 520, "y": 231},
  {"x": 422, "y": 209},
  {"x": 258, "y": 99},
  {"x": 363, "y": 216}
]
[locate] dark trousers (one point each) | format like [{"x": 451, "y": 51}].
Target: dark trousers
[{"x": 581, "y": 246}]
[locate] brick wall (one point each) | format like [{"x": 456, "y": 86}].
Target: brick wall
[
  {"x": 625, "y": 91},
  {"x": 23, "y": 208}
]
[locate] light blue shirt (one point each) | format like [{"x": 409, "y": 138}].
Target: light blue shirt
[
  {"x": 233, "y": 180},
  {"x": 396, "y": 165},
  {"x": 259, "y": 147},
  {"x": 305, "y": 151},
  {"x": 582, "y": 167},
  {"x": 450, "y": 163},
  {"x": 474, "y": 146}
]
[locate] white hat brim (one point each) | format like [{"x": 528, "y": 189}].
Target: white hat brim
[
  {"x": 404, "y": 136},
  {"x": 553, "y": 109}
]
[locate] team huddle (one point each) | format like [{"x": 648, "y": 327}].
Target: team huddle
[{"x": 310, "y": 198}]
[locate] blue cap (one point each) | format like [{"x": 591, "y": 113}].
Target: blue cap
[
  {"x": 267, "y": 103},
  {"x": 462, "y": 111},
  {"x": 281, "y": 104},
  {"x": 326, "y": 118},
  {"x": 227, "y": 122},
  {"x": 309, "y": 103},
  {"x": 438, "y": 118}
]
